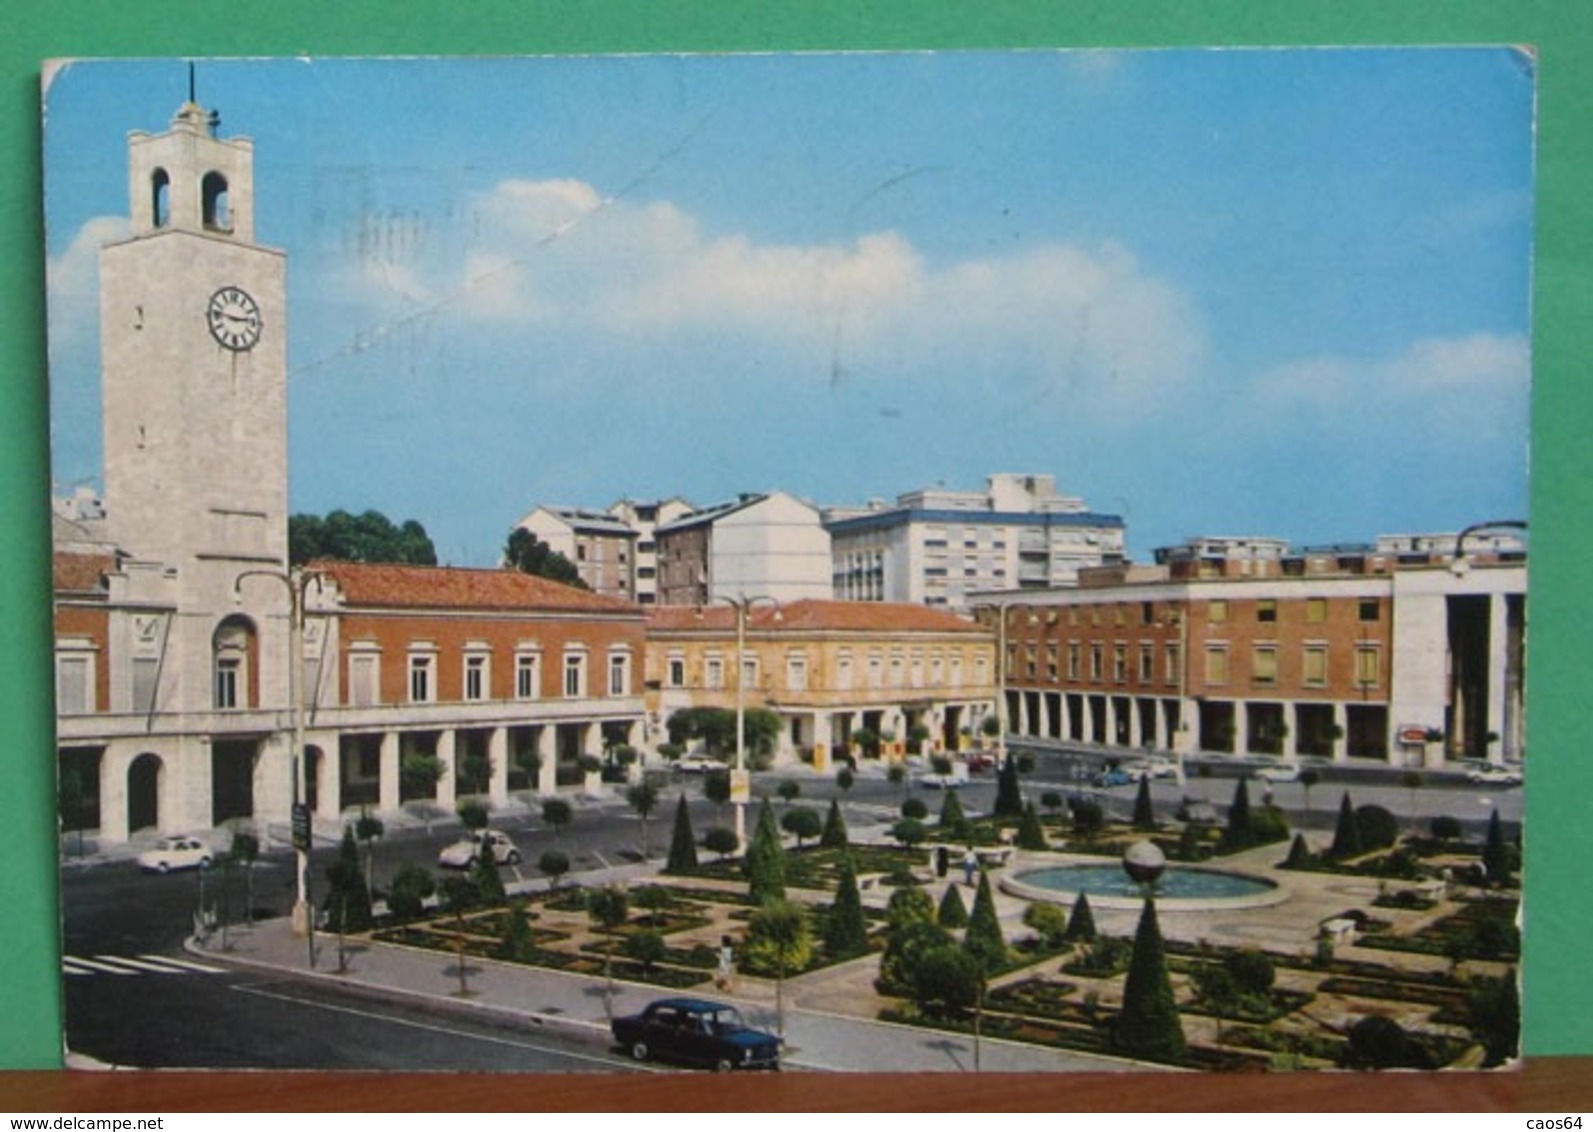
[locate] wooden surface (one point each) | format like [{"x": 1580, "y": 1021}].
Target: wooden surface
[{"x": 1544, "y": 1085}]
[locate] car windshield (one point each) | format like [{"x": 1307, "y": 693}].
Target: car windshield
[{"x": 725, "y": 1018}]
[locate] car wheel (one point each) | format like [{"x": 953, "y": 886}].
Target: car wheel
[
  {"x": 163, "y": 867},
  {"x": 639, "y": 1051},
  {"x": 513, "y": 858},
  {"x": 204, "y": 862},
  {"x": 723, "y": 1065}
]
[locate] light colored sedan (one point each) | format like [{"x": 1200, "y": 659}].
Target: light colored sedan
[
  {"x": 698, "y": 764},
  {"x": 462, "y": 854},
  {"x": 172, "y": 853},
  {"x": 1495, "y": 776},
  {"x": 1283, "y": 772}
]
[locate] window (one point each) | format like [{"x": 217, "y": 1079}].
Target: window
[
  {"x": 1120, "y": 663},
  {"x": 1265, "y": 672},
  {"x": 749, "y": 671},
  {"x": 1097, "y": 661},
  {"x": 677, "y": 672},
  {"x": 362, "y": 679},
  {"x": 213, "y": 200},
  {"x": 420, "y": 681},
  {"x": 843, "y": 672},
  {"x": 796, "y": 673},
  {"x": 619, "y": 674},
  {"x": 475, "y": 677},
  {"x": 160, "y": 198},
  {"x": 74, "y": 688},
  {"x": 1174, "y": 664},
  {"x": 1316, "y": 666},
  {"x": 1267, "y": 611},
  {"x": 1368, "y": 666},
  {"x": 1315, "y": 610},
  {"x": 1217, "y": 664},
  {"x": 714, "y": 672},
  {"x": 574, "y": 675},
  {"x": 1370, "y": 609},
  {"x": 876, "y": 670},
  {"x": 1147, "y": 663},
  {"x": 1073, "y": 660},
  {"x": 1217, "y": 611},
  {"x": 527, "y": 682},
  {"x": 956, "y": 670},
  {"x": 228, "y": 669},
  {"x": 896, "y": 671}
]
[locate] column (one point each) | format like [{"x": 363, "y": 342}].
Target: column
[
  {"x": 1133, "y": 723},
  {"x": 1341, "y": 724},
  {"x": 387, "y": 789},
  {"x": 1498, "y": 667},
  {"x": 1241, "y": 728},
  {"x": 114, "y": 766},
  {"x": 448, "y": 784},
  {"x": 329, "y": 777},
  {"x": 547, "y": 758},
  {"x": 498, "y": 754}
]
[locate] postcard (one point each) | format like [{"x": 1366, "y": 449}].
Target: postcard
[{"x": 956, "y": 561}]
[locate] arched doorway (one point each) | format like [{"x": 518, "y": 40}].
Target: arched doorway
[{"x": 143, "y": 793}]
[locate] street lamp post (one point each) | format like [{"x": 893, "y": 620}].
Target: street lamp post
[
  {"x": 740, "y": 786},
  {"x": 297, "y": 582}
]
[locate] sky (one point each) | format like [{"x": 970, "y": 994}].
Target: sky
[{"x": 1221, "y": 292}]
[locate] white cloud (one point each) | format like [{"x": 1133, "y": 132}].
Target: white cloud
[
  {"x": 560, "y": 256},
  {"x": 73, "y": 282},
  {"x": 1477, "y": 365}
]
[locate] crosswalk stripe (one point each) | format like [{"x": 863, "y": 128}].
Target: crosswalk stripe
[
  {"x": 185, "y": 964},
  {"x": 136, "y": 964},
  {"x": 69, "y": 968},
  {"x": 103, "y": 968}
]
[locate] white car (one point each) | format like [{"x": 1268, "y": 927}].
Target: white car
[
  {"x": 1152, "y": 768},
  {"x": 172, "y": 853},
  {"x": 1283, "y": 772},
  {"x": 462, "y": 854},
  {"x": 698, "y": 764},
  {"x": 1494, "y": 776},
  {"x": 951, "y": 781}
]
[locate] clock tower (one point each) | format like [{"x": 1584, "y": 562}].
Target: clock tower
[{"x": 193, "y": 342}]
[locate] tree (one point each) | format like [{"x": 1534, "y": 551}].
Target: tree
[
  {"x": 1240, "y": 832},
  {"x": 348, "y": 901},
  {"x": 1346, "y": 835},
  {"x": 524, "y": 552},
  {"x": 789, "y": 790},
  {"x": 947, "y": 981},
  {"x": 1048, "y": 921},
  {"x": 764, "y": 863},
  {"x": 647, "y": 947},
  {"x": 845, "y": 928},
  {"x": 459, "y": 895},
  {"x": 909, "y": 905},
  {"x": 530, "y": 764},
  {"x": 1081, "y": 921},
  {"x": 1144, "y": 812},
  {"x": 896, "y": 775},
  {"x": 1031, "y": 834},
  {"x": 1309, "y": 777},
  {"x": 835, "y": 835},
  {"x": 845, "y": 778},
  {"x": 983, "y": 939},
  {"x": 1445, "y": 828},
  {"x": 475, "y": 773},
  {"x": 1148, "y": 1025},
  {"x": 472, "y": 815},
  {"x": 1376, "y": 827},
  {"x": 1009, "y": 798},
  {"x": 953, "y": 913},
  {"x": 367, "y": 537},
  {"x": 953, "y": 822},
  {"x": 1088, "y": 817},
  {"x": 778, "y": 941},
  {"x": 484, "y": 872},
  {"x": 1215, "y": 985},
  {"x": 802, "y": 823},
  {"x": 1376, "y": 1042},
  {"x": 412, "y": 886},
  {"x": 915, "y": 808},
  {"x": 608, "y": 908},
  {"x": 1499, "y": 857},
  {"x": 683, "y": 844},
  {"x": 368, "y": 828},
  {"x": 1495, "y": 1007},
  {"x": 246, "y": 850},
  {"x": 716, "y": 788},
  {"x": 721, "y": 840},
  {"x": 909, "y": 832},
  {"x": 905, "y": 948},
  {"x": 553, "y": 864},
  {"x": 557, "y": 813},
  {"x": 1253, "y": 972},
  {"x": 516, "y": 944},
  {"x": 643, "y": 797},
  {"x": 716, "y": 728},
  {"x": 1299, "y": 854},
  {"x": 418, "y": 775}
]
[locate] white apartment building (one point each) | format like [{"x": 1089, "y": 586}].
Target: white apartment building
[{"x": 766, "y": 545}]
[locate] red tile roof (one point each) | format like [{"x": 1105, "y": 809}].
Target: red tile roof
[
  {"x": 446, "y": 587},
  {"x": 82, "y": 573},
  {"x": 813, "y": 616}
]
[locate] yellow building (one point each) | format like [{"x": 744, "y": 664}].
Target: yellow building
[{"x": 832, "y": 670}]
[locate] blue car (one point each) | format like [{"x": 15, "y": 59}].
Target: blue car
[
  {"x": 1113, "y": 776},
  {"x": 697, "y": 1031}
]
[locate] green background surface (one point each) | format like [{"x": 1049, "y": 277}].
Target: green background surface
[{"x": 1559, "y": 905}]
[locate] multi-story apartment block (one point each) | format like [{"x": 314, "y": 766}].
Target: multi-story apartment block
[
  {"x": 601, "y": 547},
  {"x": 1406, "y": 652},
  {"x": 645, "y": 519},
  {"x": 936, "y": 547},
  {"x": 768, "y": 545},
  {"x": 176, "y": 615},
  {"x": 828, "y": 668}
]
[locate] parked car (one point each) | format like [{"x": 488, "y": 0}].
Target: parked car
[
  {"x": 1282, "y": 772},
  {"x": 698, "y": 764},
  {"x": 172, "y": 853},
  {"x": 1113, "y": 776},
  {"x": 462, "y": 854},
  {"x": 980, "y": 761},
  {"x": 697, "y": 1031},
  {"x": 1152, "y": 768},
  {"x": 950, "y": 781},
  {"x": 1493, "y": 775},
  {"x": 1197, "y": 811}
]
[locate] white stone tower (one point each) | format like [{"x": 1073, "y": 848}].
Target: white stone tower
[{"x": 193, "y": 341}]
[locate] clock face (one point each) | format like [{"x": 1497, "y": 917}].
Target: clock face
[{"x": 234, "y": 318}]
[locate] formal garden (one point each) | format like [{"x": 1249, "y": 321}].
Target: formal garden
[{"x": 1420, "y": 974}]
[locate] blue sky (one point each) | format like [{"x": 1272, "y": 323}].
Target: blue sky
[{"x": 1219, "y": 292}]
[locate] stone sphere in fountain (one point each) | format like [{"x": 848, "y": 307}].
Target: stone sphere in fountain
[{"x": 1144, "y": 862}]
